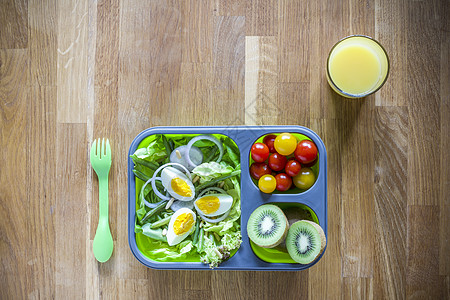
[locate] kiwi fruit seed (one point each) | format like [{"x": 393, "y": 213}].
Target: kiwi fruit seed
[
  {"x": 305, "y": 241},
  {"x": 267, "y": 226}
]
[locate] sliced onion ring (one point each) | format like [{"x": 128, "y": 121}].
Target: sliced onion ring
[
  {"x": 154, "y": 178},
  {"x": 203, "y": 137},
  {"x": 148, "y": 204},
  {"x": 195, "y": 154},
  {"x": 213, "y": 188},
  {"x": 151, "y": 205},
  {"x": 223, "y": 217}
]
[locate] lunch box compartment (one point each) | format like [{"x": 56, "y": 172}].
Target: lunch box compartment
[{"x": 248, "y": 256}]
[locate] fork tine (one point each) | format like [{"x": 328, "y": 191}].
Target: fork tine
[
  {"x": 108, "y": 148},
  {"x": 103, "y": 148}
]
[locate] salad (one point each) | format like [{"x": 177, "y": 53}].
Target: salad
[{"x": 188, "y": 204}]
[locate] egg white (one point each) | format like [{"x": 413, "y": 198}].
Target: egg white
[
  {"x": 225, "y": 203},
  {"x": 172, "y": 238},
  {"x": 169, "y": 173}
]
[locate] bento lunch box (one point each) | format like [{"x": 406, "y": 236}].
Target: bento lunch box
[{"x": 248, "y": 256}]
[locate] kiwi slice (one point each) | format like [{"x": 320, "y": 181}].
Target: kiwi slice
[
  {"x": 267, "y": 226},
  {"x": 305, "y": 241},
  {"x": 294, "y": 214}
]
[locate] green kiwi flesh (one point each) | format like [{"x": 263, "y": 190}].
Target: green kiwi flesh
[
  {"x": 305, "y": 241},
  {"x": 267, "y": 226}
]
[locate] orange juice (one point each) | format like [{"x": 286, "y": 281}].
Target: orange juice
[{"x": 357, "y": 66}]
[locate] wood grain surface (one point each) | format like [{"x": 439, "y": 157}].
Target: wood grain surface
[{"x": 72, "y": 71}]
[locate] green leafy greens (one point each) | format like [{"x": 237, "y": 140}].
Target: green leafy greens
[{"x": 211, "y": 243}]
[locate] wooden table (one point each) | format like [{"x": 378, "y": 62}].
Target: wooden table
[{"x": 72, "y": 71}]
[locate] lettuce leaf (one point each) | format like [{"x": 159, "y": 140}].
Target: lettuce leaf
[
  {"x": 155, "y": 151},
  {"x": 212, "y": 170}
]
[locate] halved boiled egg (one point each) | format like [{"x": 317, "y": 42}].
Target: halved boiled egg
[
  {"x": 213, "y": 204},
  {"x": 181, "y": 224},
  {"x": 177, "y": 184}
]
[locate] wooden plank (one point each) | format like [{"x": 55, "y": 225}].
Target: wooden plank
[
  {"x": 42, "y": 41},
  {"x": 41, "y": 191},
  {"x": 261, "y": 80},
  {"x": 229, "y": 7},
  {"x": 444, "y": 226},
  {"x": 228, "y": 70},
  {"x": 261, "y": 18},
  {"x": 193, "y": 96},
  {"x": 104, "y": 125},
  {"x": 294, "y": 40},
  {"x": 356, "y": 142},
  {"x": 106, "y": 81},
  {"x": 325, "y": 278},
  {"x": 159, "y": 280},
  {"x": 360, "y": 18},
  {"x": 391, "y": 19},
  {"x": 149, "y": 62},
  {"x": 70, "y": 211},
  {"x": 357, "y": 288},
  {"x": 15, "y": 240},
  {"x": 72, "y": 61},
  {"x": 422, "y": 277},
  {"x": 424, "y": 103},
  {"x": 197, "y": 31},
  {"x": 260, "y": 285},
  {"x": 293, "y": 104},
  {"x": 391, "y": 148},
  {"x": 13, "y": 24}
]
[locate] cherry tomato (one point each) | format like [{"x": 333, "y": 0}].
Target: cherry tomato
[
  {"x": 257, "y": 170},
  {"x": 269, "y": 141},
  {"x": 260, "y": 152},
  {"x": 309, "y": 165},
  {"x": 267, "y": 184},
  {"x": 285, "y": 143},
  {"x": 293, "y": 167},
  {"x": 305, "y": 179},
  {"x": 284, "y": 182},
  {"x": 277, "y": 162},
  {"x": 305, "y": 152}
]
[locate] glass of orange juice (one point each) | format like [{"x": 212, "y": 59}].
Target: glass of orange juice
[{"x": 357, "y": 66}]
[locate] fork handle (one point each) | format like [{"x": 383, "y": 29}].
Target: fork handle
[{"x": 103, "y": 199}]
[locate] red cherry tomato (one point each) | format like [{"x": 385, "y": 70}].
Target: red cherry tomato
[
  {"x": 284, "y": 182},
  {"x": 309, "y": 165},
  {"x": 277, "y": 162},
  {"x": 305, "y": 152},
  {"x": 269, "y": 141},
  {"x": 257, "y": 170},
  {"x": 260, "y": 152},
  {"x": 292, "y": 167}
]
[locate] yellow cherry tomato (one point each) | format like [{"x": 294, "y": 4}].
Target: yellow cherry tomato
[
  {"x": 305, "y": 179},
  {"x": 267, "y": 184},
  {"x": 285, "y": 144}
]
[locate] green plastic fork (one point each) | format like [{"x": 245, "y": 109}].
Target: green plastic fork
[{"x": 101, "y": 162}]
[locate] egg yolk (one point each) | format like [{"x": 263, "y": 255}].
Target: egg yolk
[
  {"x": 180, "y": 187},
  {"x": 208, "y": 204},
  {"x": 183, "y": 223}
]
